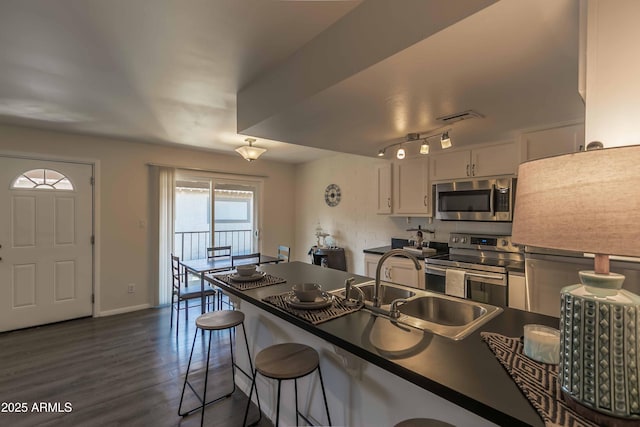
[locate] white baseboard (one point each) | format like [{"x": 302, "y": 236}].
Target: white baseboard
[{"x": 123, "y": 310}]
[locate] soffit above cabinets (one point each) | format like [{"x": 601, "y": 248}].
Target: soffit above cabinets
[{"x": 514, "y": 62}]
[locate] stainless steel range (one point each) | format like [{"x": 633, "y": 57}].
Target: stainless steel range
[{"x": 475, "y": 268}]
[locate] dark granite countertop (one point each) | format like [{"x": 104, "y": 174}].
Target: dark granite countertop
[
  {"x": 464, "y": 372},
  {"x": 378, "y": 251}
]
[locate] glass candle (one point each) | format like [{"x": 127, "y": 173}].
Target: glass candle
[{"x": 542, "y": 343}]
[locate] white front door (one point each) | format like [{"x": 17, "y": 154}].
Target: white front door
[{"x": 46, "y": 254}]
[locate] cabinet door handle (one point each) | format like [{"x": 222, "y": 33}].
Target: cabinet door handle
[
  {"x": 388, "y": 202},
  {"x": 473, "y": 170},
  {"x": 389, "y": 273},
  {"x": 425, "y": 201},
  {"x": 467, "y": 169}
]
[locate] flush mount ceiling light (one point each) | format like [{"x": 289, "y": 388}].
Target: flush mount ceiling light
[
  {"x": 445, "y": 141},
  {"x": 401, "y": 153},
  {"x": 249, "y": 152}
]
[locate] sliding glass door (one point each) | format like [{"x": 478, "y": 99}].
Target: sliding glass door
[
  {"x": 192, "y": 216},
  {"x": 229, "y": 218},
  {"x": 235, "y": 216}
]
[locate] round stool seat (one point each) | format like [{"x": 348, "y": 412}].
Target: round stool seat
[
  {"x": 221, "y": 319},
  {"x": 287, "y": 361},
  {"x": 423, "y": 422}
]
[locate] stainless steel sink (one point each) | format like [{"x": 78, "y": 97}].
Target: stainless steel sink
[
  {"x": 442, "y": 311},
  {"x": 388, "y": 293},
  {"x": 447, "y": 316},
  {"x": 440, "y": 314}
]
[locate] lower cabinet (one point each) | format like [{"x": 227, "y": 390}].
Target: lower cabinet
[{"x": 396, "y": 270}]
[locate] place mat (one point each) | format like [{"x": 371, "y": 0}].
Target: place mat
[
  {"x": 267, "y": 280},
  {"x": 538, "y": 381},
  {"x": 335, "y": 310}
]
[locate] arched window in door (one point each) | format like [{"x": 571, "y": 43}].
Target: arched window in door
[{"x": 42, "y": 179}]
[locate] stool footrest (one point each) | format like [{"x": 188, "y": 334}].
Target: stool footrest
[
  {"x": 199, "y": 408},
  {"x": 224, "y": 396}
]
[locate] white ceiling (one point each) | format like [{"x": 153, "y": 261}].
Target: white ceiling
[{"x": 169, "y": 71}]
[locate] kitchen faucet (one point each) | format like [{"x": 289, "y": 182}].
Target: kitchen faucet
[
  {"x": 393, "y": 252},
  {"x": 348, "y": 287}
]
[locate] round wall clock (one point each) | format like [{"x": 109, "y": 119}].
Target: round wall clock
[{"x": 332, "y": 195}]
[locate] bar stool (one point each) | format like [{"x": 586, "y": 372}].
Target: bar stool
[
  {"x": 216, "y": 321},
  {"x": 423, "y": 422},
  {"x": 288, "y": 361}
]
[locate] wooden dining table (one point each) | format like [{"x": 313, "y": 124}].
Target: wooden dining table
[{"x": 202, "y": 266}]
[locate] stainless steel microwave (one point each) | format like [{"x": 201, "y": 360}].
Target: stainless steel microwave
[{"x": 478, "y": 200}]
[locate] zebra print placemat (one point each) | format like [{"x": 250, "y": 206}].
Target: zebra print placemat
[
  {"x": 538, "y": 381},
  {"x": 266, "y": 280},
  {"x": 337, "y": 309}
]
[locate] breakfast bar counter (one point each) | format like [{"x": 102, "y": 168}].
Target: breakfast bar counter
[{"x": 451, "y": 380}]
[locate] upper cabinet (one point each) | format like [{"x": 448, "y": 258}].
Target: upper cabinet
[
  {"x": 383, "y": 181},
  {"x": 552, "y": 142},
  {"x": 403, "y": 187},
  {"x": 498, "y": 159},
  {"x": 411, "y": 189}
]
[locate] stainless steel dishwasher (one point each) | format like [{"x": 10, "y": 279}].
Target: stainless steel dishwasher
[{"x": 548, "y": 271}]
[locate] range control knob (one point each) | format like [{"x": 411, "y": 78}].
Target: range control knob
[
  {"x": 454, "y": 240},
  {"x": 463, "y": 240},
  {"x": 505, "y": 242}
]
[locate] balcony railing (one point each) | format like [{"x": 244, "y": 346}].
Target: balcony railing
[{"x": 193, "y": 244}]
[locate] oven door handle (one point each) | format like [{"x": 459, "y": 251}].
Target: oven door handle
[
  {"x": 467, "y": 273},
  {"x": 484, "y": 276}
]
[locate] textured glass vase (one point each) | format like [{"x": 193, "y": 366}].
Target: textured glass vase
[{"x": 599, "y": 347}]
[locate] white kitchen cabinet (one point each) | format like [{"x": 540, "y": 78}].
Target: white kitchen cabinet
[
  {"x": 411, "y": 190},
  {"x": 552, "y": 142},
  {"x": 396, "y": 270},
  {"x": 490, "y": 160},
  {"x": 517, "y": 291},
  {"x": 383, "y": 182}
]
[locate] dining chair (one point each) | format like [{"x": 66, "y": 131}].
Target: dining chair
[
  {"x": 183, "y": 293},
  {"x": 219, "y": 252},
  {"x": 284, "y": 253},
  {"x": 254, "y": 256}
]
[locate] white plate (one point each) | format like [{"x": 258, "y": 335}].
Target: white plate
[
  {"x": 254, "y": 277},
  {"x": 321, "y": 302}
]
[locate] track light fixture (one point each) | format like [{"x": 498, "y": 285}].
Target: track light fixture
[
  {"x": 424, "y": 148},
  {"x": 401, "y": 153},
  {"x": 445, "y": 141}
]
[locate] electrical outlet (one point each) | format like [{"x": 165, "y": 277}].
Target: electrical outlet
[{"x": 132, "y": 288}]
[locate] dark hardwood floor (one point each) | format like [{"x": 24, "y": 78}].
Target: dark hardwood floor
[{"x": 123, "y": 370}]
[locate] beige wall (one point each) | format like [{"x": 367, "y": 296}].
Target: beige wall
[
  {"x": 612, "y": 69},
  {"x": 354, "y": 223},
  {"x": 127, "y": 250}
]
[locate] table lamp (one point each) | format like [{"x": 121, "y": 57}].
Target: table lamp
[{"x": 590, "y": 202}]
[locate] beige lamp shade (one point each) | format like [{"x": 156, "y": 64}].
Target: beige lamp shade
[
  {"x": 586, "y": 202},
  {"x": 249, "y": 152}
]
